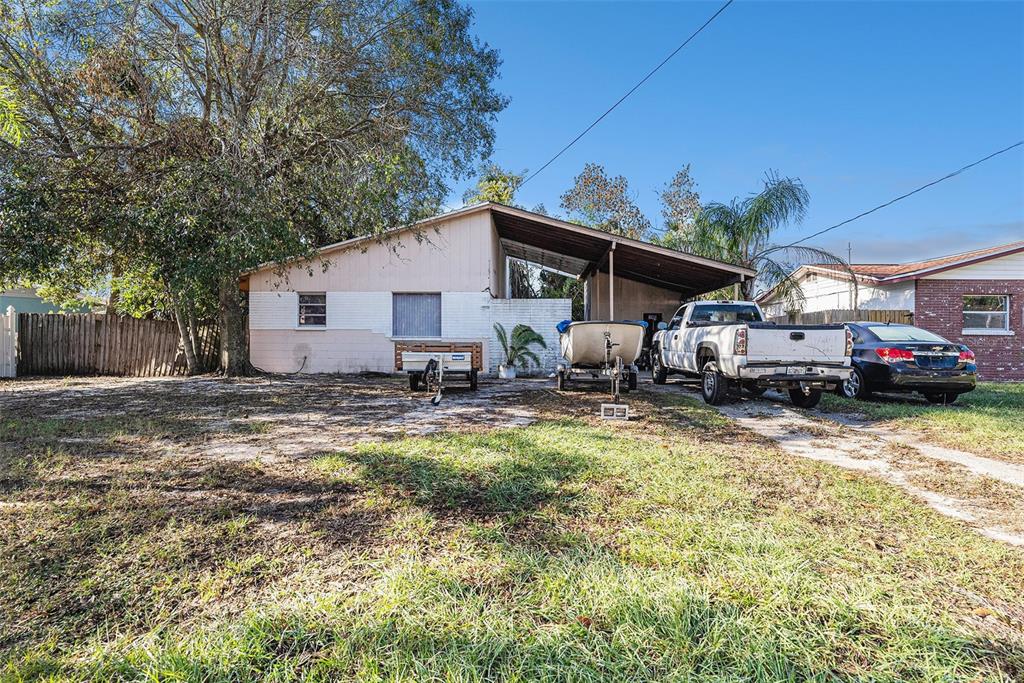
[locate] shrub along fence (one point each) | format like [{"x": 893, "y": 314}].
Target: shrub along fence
[
  {"x": 96, "y": 344},
  {"x": 886, "y": 315}
]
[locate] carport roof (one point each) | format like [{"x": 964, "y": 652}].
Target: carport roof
[{"x": 581, "y": 251}]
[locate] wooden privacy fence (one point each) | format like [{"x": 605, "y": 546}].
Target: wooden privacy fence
[
  {"x": 8, "y": 342},
  {"x": 95, "y": 344},
  {"x": 894, "y": 315}
]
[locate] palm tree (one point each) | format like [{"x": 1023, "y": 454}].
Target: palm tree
[
  {"x": 740, "y": 232},
  {"x": 517, "y": 347}
]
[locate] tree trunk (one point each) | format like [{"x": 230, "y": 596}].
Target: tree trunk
[
  {"x": 186, "y": 338},
  {"x": 234, "y": 337},
  {"x": 114, "y": 300}
]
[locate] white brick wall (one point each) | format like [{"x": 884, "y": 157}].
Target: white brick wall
[{"x": 540, "y": 314}]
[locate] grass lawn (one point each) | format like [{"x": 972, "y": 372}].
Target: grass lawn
[
  {"x": 675, "y": 547},
  {"x": 988, "y": 420}
]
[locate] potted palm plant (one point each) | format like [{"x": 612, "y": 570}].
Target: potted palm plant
[{"x": 517, "y": 348}]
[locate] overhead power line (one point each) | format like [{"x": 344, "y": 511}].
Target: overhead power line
[
  {"x": 908, "y": 194},
  {"x": 630, "y": 92}
]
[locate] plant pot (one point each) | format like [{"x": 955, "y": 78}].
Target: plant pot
[{"x": 507, "y": 371}]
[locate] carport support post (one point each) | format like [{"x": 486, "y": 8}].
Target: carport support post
[{"x": 611, "y": 282}]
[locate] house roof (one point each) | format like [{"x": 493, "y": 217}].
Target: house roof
[
  {"x": 581, "y": 251},
  {"x": 885, "y": 271},
  {"x": 888, "y": 273}
]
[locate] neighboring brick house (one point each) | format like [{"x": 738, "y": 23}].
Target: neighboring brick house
[{"x": 974, "y": 298}]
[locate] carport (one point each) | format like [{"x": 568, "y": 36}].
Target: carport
[{"x": 584, "y": 252}]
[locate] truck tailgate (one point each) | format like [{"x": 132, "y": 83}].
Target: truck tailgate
[{"x": 796, "y": 343}]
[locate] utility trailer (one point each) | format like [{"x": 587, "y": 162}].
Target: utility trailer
[{"x": 430, "y": 365}]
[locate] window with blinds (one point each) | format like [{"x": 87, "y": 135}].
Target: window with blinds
[{"x": 416, "y": 315}]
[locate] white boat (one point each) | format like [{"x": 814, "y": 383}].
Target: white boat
[{"x": 583, "y": 343}]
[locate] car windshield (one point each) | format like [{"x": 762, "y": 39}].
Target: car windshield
[
  {"x": 897, "y": 333},
  {"x": 726, "y": 313}
]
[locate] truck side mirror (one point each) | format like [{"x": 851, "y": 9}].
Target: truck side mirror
[{"x": 663, "y": 325}]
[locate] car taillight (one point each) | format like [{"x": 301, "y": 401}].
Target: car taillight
[
  {"x": 967, "y": 356},
  {"x": 894, "y": 355},
  {"x": 740, "y": 343},
  {"x": 849, "y": 342}
]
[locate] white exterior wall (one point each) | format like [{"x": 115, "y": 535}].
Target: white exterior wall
[
  {"x": 1004, "y": 268},
  {"x": 824, "y": 293},
  {"x": 462, "y": 259},
  {"x": 358, "y": 335}
]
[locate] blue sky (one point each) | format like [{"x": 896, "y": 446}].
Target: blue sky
[{"x": 862, "y": 101}]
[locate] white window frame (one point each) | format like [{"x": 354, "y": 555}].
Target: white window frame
[
  {"x": 1004, "y": 330},
  {"x": 299, "y": 325}
]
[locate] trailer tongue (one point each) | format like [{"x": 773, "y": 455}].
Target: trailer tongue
[{"x": 431, "y": 365}]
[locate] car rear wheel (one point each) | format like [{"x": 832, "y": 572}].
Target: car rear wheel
[
  {"x": 854, "y": 387},
  {"x": 802, "y": 400},
  {"x": 713, "y": 386},
  {"x": 659, "y": 372},
  {"x": 944, "y": 399}
]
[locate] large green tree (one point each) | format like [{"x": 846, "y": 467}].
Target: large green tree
[
  {"x": 741, "y": 232},
  {"x": 187, "y": 142}
]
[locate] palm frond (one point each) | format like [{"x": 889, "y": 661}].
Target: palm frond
[
  {"x": 524, "y": 335},
  {"x": 499, "y": 332},
  {"x": 783, "y": 200},
  {"x": 527, "y": 354}
]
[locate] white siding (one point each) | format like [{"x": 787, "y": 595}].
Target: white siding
[
  {"x": 359, "y": 311},
  {"x": 824, "y": 293},
  {"x": 1004, "y": 268},
  {"x": 273, "y": 310}
]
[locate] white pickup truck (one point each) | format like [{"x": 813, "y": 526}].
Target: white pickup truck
[{"x": 729, "y": 345}]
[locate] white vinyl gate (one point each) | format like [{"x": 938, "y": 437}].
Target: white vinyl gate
[{"x": 9, "y": 343}]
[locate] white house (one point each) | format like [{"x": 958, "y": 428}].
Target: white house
[{"x": 445, "y": 278}]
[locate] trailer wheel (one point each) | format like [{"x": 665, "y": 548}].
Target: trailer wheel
[
  {"x": 473, "y": 380},
  {"x": 560, "y": 381},
  {"x": 633, "y": 380},
  {"x": 713, "y": 386},
  {"x": 414, "y": 381}
]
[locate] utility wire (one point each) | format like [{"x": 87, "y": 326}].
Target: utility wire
[
  {"x": 631, "y": 91},
  {"x": 904, "y": 196}
]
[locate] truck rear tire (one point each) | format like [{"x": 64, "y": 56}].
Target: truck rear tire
[
  {"x": 802, "y": 400},
  {"x": 714, "y": 387},
  {"x": 473, "y": 380},
  {"x": 659, "y": 373}
]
